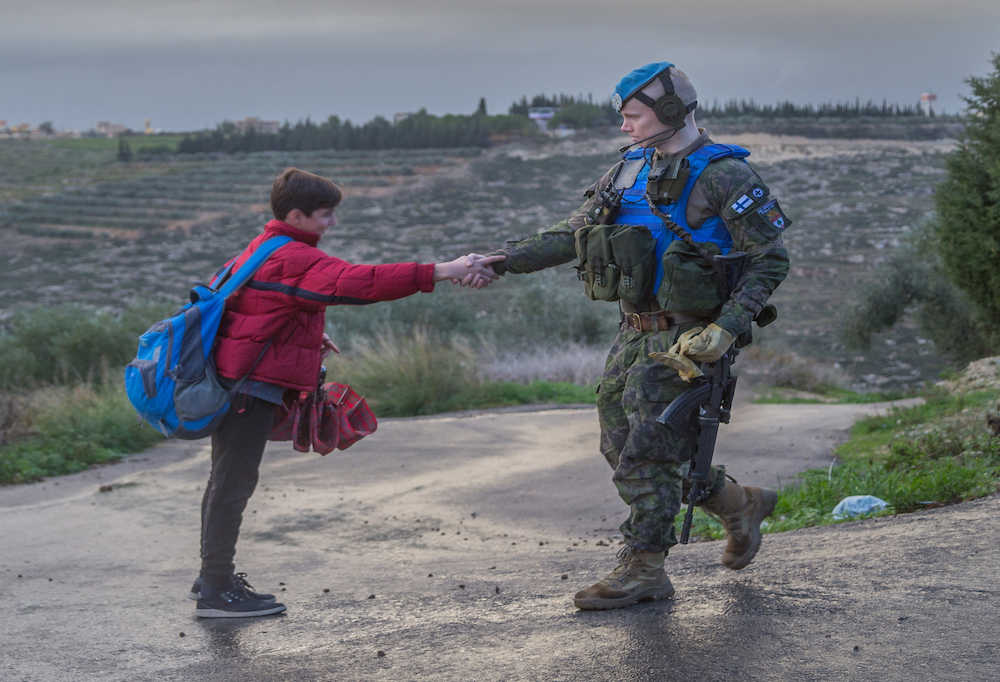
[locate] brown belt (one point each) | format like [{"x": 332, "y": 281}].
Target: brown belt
[{"x": 659, "y": 320}]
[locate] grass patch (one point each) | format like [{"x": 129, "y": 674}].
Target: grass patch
[
  {"x": 69, "y": 429},
  {"x": 937, "y": 453},
  {"x": 829, "y": 395},
  {"x": 505, "y": 394},
  {"x": 404, "y": 375}
]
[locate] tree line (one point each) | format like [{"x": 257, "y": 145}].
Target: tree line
[
  {"x": 418, "y": 131},
  {"x": 422, "y": 130}
]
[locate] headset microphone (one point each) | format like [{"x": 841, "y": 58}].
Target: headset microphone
[{"x": 625, "y": 148}]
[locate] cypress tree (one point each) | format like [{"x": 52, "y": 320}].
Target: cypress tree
[{"x": 968, "y": 201}]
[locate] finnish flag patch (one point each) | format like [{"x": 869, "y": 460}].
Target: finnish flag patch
[
  {"x": 742, "y": 204},
  {"x": 750, "y": 199}
]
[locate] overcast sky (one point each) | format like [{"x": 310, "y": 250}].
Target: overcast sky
[{"x": 190, "y": 64}]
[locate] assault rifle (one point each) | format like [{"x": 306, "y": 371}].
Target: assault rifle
[{"x": 711, "y": 399}]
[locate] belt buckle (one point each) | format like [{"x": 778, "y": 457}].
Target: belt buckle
[{"x": 636, "y": 321}]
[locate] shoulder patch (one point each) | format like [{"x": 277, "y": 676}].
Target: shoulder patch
[
  {"x": 771, "y": 217},
  {"x": 751, "y": 198}
]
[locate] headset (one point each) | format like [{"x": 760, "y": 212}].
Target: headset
[{"x": 669, "y": 108}]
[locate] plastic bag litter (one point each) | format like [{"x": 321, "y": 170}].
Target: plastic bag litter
[{"x": 855, "y": 505}]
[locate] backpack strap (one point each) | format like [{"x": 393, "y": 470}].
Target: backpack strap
[
  {"x": 234, "y": 280},
  {"x": 239, "y": 382}
]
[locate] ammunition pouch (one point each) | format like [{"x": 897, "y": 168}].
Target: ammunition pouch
[
  {"x": 616, "y": 262},
  {"x": 597, "y": 267},
  {"x": 690, "y": 284}
]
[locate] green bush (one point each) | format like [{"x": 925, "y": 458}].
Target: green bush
[
  {"x": 69, "y": 343},
  {"x": 73, "y": 428},
  {"x": 407, "y": 375},
  {"x": 914, "y": 278}
]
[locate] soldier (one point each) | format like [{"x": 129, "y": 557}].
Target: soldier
[{"x": 642, "y": 236}]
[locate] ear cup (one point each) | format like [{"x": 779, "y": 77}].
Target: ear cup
[{"x": 670, "y": 110}]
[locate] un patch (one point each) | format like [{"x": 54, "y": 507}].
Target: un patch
[
  {"x": 616, "y": 101},
  {"x": 772, "y": 215}
]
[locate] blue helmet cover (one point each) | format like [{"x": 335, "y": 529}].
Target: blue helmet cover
[{"x": 635, "y": 81}]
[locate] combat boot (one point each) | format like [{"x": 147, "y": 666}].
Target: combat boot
[
  {"x": 741, "y": 509},
  {"x": 639, "y": 576}
]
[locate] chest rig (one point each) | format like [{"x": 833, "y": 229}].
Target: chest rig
[
  {"x": 625, "y": 232},
  {"x": 669, "y": 184}
]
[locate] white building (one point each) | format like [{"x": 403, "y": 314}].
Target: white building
[
  {"x": 258, "y": 126},
  {"x": 927, "y": 100},
  {"x": 110, "y": 129},
  {"x": 541, "y": 115}
]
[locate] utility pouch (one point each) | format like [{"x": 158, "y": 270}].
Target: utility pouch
[
  {"x": 689, "y": 282},
  {"x": 597, "y": 269},
  {"x": 634, "y": 251}
]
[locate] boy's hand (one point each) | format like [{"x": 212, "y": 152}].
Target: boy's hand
[
  {"x": 328, "y": 345},
  {"x": 479, "y": 281},
  {"x": 468, "y": 271}
]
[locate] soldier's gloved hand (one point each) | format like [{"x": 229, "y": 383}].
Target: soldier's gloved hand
[
  {"x": 676, "y": 359},
  {"x": 707, "y": 346}
]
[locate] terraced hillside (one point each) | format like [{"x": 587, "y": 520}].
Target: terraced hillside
[{"x": 151, "y": 234}]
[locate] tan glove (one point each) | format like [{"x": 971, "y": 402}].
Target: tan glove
[
  {"x": 707, "y": 346},
  {"x": 676, "y": 360}
]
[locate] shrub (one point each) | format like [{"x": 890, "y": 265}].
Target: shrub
[
  {"x": 70, "y": 429},
  {"x": 914, "y": 278},
  {"x": 403, "y": 375},
  {"x": 69, "y": 343}
]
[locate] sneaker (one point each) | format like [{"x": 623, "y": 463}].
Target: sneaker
[
  {"x": 638, "y": 577},
  {"x": 238, "y": 579},
  {"x": 233, "y": 602}
]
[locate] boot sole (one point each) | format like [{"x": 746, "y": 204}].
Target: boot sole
[
  {"x": 769, "y": 501},
  {"x": 219, "y": 613},
  {"x": 650, "y": 594}
]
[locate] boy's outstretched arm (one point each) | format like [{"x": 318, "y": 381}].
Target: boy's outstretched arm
[{"x": 473, "y": 270}]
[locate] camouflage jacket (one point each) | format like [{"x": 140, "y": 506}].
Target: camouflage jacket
[{"x": 722, "y": 184}]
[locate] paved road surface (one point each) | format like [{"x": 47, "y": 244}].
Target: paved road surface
[{"x": 444, "y": 542}]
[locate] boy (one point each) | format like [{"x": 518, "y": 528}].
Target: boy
[{"x": 276, "y": 320}]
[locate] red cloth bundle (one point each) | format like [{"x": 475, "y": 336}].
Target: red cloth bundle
[{"x": 333, "y": 416}]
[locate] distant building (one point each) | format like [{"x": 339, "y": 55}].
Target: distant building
[
  {"x": 401, "y": 116},
  {"x": 927, "y": 100},
  {"x": 541, "y": 115},
  {"x": 148, "y": 129},
  {"x": 258, "y": 126},
  {"x": 110, "y": 129}
]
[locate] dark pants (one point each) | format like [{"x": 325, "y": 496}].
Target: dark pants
[{"x": 237, "y": 448}]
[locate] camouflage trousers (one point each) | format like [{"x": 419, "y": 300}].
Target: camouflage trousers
[{"x": 650, "y": 461}]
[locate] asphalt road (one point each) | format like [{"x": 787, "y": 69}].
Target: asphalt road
[{"x": 453, "y": 545}]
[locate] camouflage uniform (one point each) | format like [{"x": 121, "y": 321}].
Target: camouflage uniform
[{"x": 651, "y": 463}]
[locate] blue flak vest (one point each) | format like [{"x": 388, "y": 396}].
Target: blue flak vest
[{"x": 635, "y": 211}]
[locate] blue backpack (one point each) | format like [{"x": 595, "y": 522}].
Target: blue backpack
[{"x": 172, "y": 381}]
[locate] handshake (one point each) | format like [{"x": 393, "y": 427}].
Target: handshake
[{"x": 472, "y": 270}]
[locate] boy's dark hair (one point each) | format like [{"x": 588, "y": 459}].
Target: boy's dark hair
[{"x": 307, "y": 192}]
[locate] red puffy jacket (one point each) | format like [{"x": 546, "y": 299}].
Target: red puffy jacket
[{"x": 286, "y": 300}]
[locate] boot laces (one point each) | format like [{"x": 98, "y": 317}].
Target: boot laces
[
  {"x": 241, "y": 580},
  {"x": 621, "y": 571}
]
